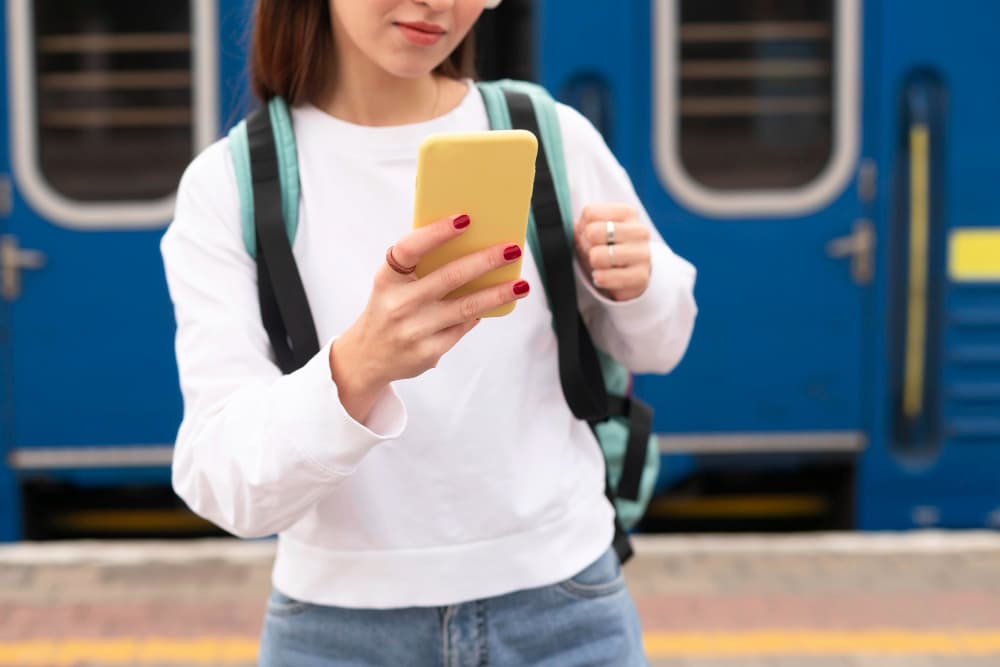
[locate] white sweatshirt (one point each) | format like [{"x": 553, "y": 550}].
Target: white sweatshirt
[{"x": 472, "y": 480}]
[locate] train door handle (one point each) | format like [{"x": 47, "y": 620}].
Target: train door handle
[
  {"x": 13, "y": 260},
  {"x": 859, "y": 245}
]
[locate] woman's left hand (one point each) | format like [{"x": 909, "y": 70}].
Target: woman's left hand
[{"x": 612, "y": 246}]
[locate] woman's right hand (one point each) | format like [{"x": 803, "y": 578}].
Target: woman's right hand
[{"x": 408, "y": 324}]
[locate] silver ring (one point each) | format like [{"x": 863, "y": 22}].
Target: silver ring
[
  {"x": 611, "y": 254},
  {"x": 611, "y": 232}
]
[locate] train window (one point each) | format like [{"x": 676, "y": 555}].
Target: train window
[
  {"x": 756, "y": 102},
  {"x": 111, "y": 98}
]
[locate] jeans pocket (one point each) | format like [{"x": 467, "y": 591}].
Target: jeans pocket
[
  {"x": 279, "y": 604},
  {"x": 601, "y": 578}
]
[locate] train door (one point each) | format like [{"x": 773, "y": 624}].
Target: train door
[
  {"x": 937, "y": 462},
  {"x": 755, "y": 141},
  {"x": 106, "y": 104},
  {"x": 740, "y": 124}
]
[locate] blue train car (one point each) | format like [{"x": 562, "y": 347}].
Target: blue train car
[
  {"x": 831, "y": 168},
  {"x": 103, "y": 105},
  {"x": 829, "y": 165}
]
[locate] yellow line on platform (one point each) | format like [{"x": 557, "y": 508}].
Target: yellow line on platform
[
  {"x": 804, "y": 643},
  {"x": 822, "y": 643},
  {"x": 130, "y": 651}
]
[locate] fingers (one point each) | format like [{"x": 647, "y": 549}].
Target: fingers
[
  {"x": 596, "y": 233},
  {"x": 477, "y": 304},
  {"x": 601, "y": 212},
  {"x": 591, "y": 227},
  {"x": 409, "y": 249},
  {"x": 457, "y": 273},
  {"x": 623, "y": 279},
  {"x": 624, "y": 255},
  {"x": 592, "y": 232}
]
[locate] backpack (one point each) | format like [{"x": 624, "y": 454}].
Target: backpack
[{"x": 595, "y": 385}]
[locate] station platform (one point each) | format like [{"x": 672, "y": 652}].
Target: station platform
[{"x": 825, "y": 600}]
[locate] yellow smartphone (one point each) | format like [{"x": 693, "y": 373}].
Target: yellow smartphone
[{"x": 489, "y": 176}]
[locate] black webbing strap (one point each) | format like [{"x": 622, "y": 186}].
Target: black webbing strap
[
  {"x": 579, "y": 367},
  {"x": 640, "y": 426},
  {"x": 284, "y": 306}
]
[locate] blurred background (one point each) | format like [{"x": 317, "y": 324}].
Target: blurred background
[{"x": 828, "y": 165}]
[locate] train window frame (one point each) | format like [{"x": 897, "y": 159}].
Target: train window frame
[
  {"x": 747, "y": 203},
  {"x": 65, "y": 211}
]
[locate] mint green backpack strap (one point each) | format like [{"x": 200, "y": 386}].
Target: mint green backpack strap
[
  {"x": 612, "y": 434},
  {"x": 548, "y": 124},
  {"x": 616, "y": 377},
  {"x": 288, "y": 173}
]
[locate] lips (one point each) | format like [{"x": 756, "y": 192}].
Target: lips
[
  {"x": 420, "y": 33},
  {"x": 424, "y": 27}
]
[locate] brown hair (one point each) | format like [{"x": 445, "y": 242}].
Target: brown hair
[{"x": 292, "y": 49}]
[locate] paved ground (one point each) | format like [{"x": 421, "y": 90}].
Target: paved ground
[{"x": 822, "y": 601}]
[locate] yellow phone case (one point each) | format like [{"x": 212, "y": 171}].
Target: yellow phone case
[{"x": 489, "y": 176}]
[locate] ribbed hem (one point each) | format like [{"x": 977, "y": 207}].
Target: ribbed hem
[{"x": 445, "y": 575}]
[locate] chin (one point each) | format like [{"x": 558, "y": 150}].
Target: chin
[
  {"x": 410, "y": 72},
  {"x": 410, "y": 68},
  {"x": 412, "y": 63}
]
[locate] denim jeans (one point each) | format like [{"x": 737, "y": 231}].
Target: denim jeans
[{"x": 588, "y": 620}]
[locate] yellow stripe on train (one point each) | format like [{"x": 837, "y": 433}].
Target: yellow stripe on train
[{"x": 974, "y": 254}]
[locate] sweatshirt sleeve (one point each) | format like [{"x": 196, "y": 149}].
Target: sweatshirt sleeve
[
  {"x": 648, "y": 334},
  {"x": 256, "y": 449}
]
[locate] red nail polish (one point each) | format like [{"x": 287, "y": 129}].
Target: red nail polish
[
  {"x": 521, "y": 288},
  {"x": 461, "y": 222},
  {"x": 511, "y": 252}
]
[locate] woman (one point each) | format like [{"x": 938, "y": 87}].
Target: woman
[{"x": 435, "y": 499}]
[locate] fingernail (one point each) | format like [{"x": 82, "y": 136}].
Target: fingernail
[
  {"x": 596, "y": 280},
  {"x": 461, "y": 222},
  {"x": 511, "y": 252},
  {"x": 521, "y": 288}
]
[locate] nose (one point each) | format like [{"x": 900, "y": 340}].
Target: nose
[{"x": 438, "y": 5}]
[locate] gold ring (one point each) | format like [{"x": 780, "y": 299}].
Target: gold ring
[{"x": 396, "y": 266}]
